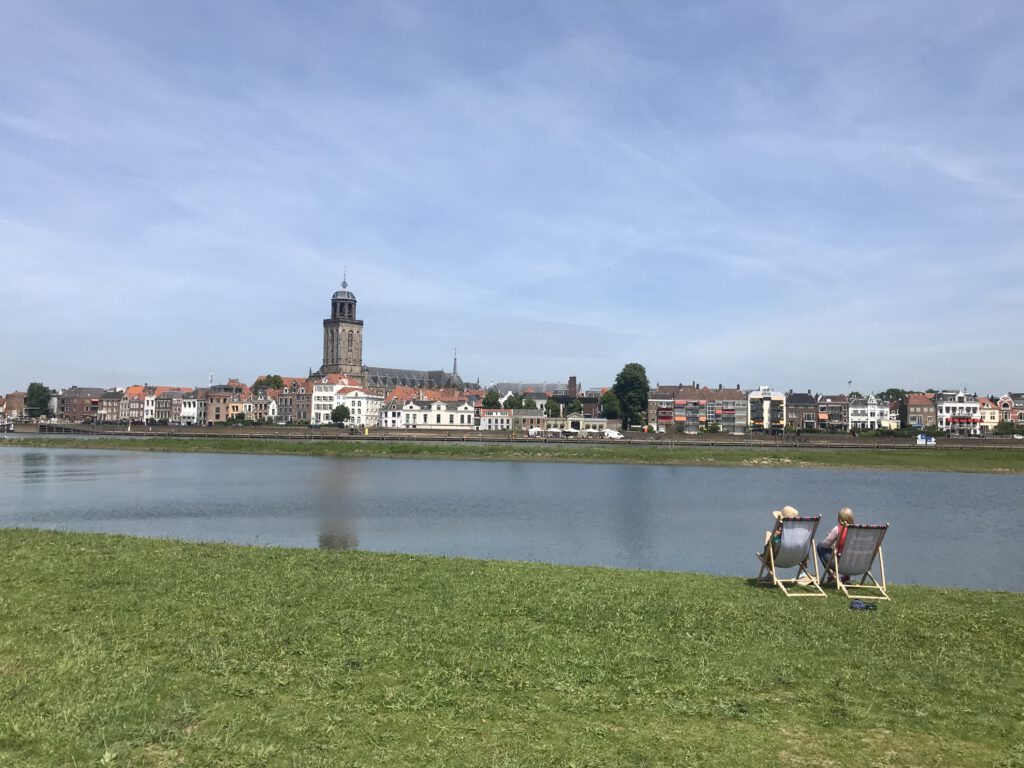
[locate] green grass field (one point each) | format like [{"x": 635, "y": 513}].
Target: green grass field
[
  {"x": 994, "y": 460},
  {"x": 121, "y": 651}
]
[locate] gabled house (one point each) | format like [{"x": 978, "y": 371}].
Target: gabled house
[
  {"x": 167, "y": 406},
  {"x": 133, "y": 404},
  {"x": 1011, "y": 407},
  {"x": 894, "y": 414},
  {"x": 260, "y": 406},
  {"x": 108, "y": 408},
  {"x": 224, "y": 401},
  {"x": 917, "y": 410},
  {"x": 988, "y": 412},
  {"x": 294, "y": 400},
  {"x": 869, "y": 413},
  {"x": 193, "y": 407},
  {"x": 801, "y": 411}
]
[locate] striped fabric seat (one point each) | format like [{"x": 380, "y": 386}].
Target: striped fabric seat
[
  {"x": 862, "y": 548},
  {"x": 796, "y": 550}
]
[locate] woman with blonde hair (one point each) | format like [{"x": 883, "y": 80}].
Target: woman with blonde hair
[{"x": 836, "y": 536}]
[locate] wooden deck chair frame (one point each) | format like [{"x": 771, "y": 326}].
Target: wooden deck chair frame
[
  {"x": 804, "y": 583},
  {"x": 869, "y": 587}
]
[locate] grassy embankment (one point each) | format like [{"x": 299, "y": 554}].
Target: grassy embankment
[
  {"x": 160, "y": 653},
  {"x": 997, "y": 460}
]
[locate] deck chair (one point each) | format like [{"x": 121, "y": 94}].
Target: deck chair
[
  {"x": 796, "y": 550},
  {"x": 862, "y": 547}
]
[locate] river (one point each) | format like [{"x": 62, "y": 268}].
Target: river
[{"x": 947, "y": 529}]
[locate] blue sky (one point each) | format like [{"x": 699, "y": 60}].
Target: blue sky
[{"x": 789, "y": 194}]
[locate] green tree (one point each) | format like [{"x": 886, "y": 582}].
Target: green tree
[
  {"x": 574, "y": 407},
  {"x": 632, "y": 388},
  {"x": 37, "y": 400},
  {"x": 855, "y": 394},
  {"x": 340, "y": 414},
  {"x": 514, "y": 401},
  {"x": 272, "y": 381},
  {"x": 491, "y": 399},
  {"x": 610, "y": 408},
  {"x": 892, "y": 393},
  {"x": 552, "y": 409},
  {"x": 1004, "y": 428},
  {"x": 530, "y": 404}
]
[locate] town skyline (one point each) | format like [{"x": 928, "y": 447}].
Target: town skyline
[{"x": 792, "y": 196}]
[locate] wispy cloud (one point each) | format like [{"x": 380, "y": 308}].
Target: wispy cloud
[{"x": 719, "y": 191}]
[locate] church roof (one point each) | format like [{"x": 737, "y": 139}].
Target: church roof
[{"x": 389, "y": 378}]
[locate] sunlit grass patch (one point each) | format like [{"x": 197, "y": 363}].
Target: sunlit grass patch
[{"x": 145, "y": 652}]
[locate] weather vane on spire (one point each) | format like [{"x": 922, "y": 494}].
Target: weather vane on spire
[{"x": 344, "y": 278}]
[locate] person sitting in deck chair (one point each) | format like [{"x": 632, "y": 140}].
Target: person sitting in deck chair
[
  {"x": 790, "y": 544},
  {"x": 774, "y": 538},
  {"x": 836, "y": 536}
]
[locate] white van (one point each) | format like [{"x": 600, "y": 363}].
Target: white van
[{"x": 611, "y": 434}]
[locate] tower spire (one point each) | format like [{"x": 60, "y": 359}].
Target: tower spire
[
  {"x": 344, "y": 278},
  {"x": 455, "y": 362}
]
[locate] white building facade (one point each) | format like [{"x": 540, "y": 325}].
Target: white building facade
[
  {"x": 766, "y": 411},
  {"x": 495, "y": 419},
  {"x": 363, "y": 407},
  {"x": 869, "y": 413},
  {"x": 193, "y": 409},
  {"x": 334, "y": 390},
  {"x": 424, "y": 414},
  {"x": 958, "y": 413}
]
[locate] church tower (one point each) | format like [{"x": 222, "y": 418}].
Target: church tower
[{"x": 343, "y": 336}]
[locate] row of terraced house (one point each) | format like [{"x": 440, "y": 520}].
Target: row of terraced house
[
  {"x": 692, "y": 409},
  {"x": 676, "y": 409}
]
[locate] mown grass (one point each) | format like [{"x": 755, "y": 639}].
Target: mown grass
[
  {"x": 992, "y": 460},
  {"x": 160, "y": 653}
]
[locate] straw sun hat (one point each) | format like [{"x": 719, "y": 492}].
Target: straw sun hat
[{"x": 786, "y": 511}]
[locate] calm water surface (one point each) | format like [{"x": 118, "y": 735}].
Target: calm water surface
[{"x": 947, "y": 529}]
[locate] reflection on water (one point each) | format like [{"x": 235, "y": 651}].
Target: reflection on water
[
  {"x": 41, "y": 466},
  {"x": 946, "y": 527},
  {"x": 342, "y": 540}
]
